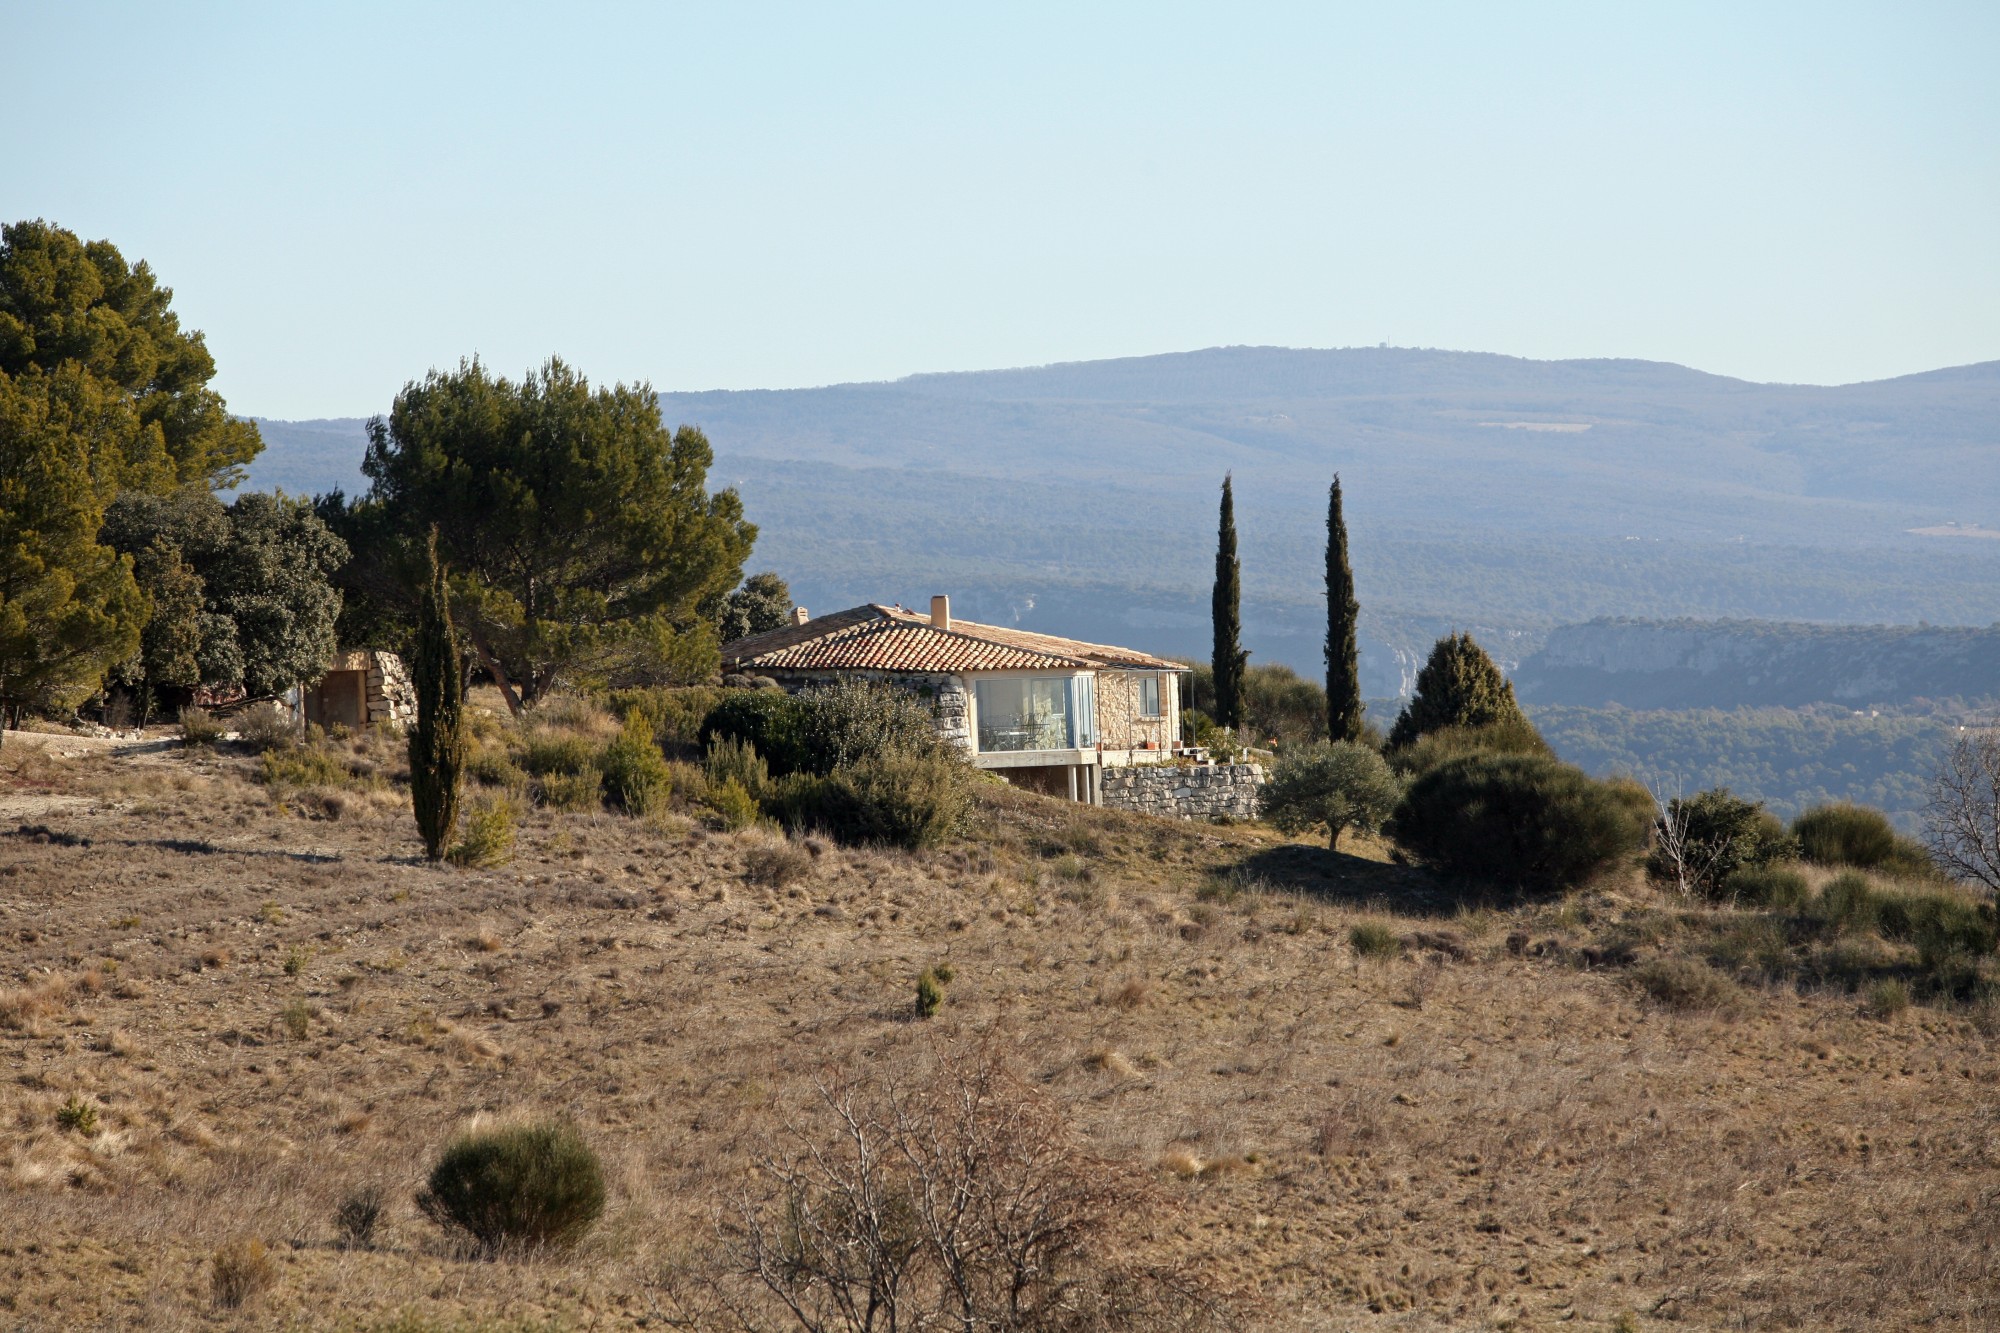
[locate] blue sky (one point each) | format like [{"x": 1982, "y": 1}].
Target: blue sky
[{"x": 739, "y": 196}]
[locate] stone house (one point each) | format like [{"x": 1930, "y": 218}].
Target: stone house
[{"x": 1052, "y": 714}]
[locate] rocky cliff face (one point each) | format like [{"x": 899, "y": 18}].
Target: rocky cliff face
[{"x": 1734, "y": 663}]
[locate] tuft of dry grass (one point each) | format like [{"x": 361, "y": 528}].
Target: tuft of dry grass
[
  {"x": 777, "y": 865},
  {"x": 25, "y": 1007},
  {"x": 239, "y": 1270}
]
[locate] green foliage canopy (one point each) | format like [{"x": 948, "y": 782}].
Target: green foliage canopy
[
  {"x": 763, "y": 603},
  {"x": 100, "y": 391},
  {"x": 1458, "y": 687},
  {"x": 71, "y": 304},
  {"x": 1526, "y": 821},
  {"x": 1341, "y": 784},
  {"x": 438, "y": 741},
  {"x": 258, "y": 574},
  {"x": 1704, "y": 839},
  {"x": 586, "y": 542}
]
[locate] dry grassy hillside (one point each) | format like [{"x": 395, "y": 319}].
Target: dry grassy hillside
[{"x": 265, "y": 1003}]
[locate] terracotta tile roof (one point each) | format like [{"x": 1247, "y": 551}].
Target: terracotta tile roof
[{"x": 889, "y": 638}]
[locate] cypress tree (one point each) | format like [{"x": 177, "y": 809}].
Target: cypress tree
[
  {"x": 1343, "y": 670},
  {"x": 1227, "y": 609},
  {"x": 437, "y": 743},
  {"x": 1460, "y": 686}
]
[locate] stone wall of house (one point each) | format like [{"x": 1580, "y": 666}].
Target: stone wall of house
[
  {"x": 1120, "y": 724},
  {"x": 1185, "y": 791}
]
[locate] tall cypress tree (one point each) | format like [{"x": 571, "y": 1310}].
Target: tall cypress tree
[
  {"x": 437, "y": 743},
  {"x": 1343, "y": 669},
  {"x": 1227, "y": 608}
]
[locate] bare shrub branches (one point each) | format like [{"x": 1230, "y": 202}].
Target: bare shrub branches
[
  {"x": 959, "y": 1199},
  {"x": 1962, "y": 818}
]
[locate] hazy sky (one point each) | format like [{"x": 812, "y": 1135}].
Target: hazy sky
[{"x": 738, "y": 195}]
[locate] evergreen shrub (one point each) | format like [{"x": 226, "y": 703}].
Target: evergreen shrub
[
  {"x": 733, "y": 805},
  {"x": 537, "y": 1184},
  {"x": 1340, "y": 785},
  {"x": 488, "y": 835},
  {"x": 1515, "y": 735},
  {"x": 1843, "y": 834},
  {"x": 198, "y": 727},
  {"x": 636, "y": 777},
  {"x": 896, "y": 800},
  {"x": 1720, "y": 833},
  {"x": 768, "y": 720},
  {"x": 735, "y": 759},
  {"x": 1525, "y": 821}
]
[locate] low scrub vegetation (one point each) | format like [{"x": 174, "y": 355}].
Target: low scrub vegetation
[
  {"x": 530, "y": 1185},
  {"x": 960, "y": 1197},
  {"x": 703, "y": 1000},
  {"x": 1526, "y": 822},
  {"x": 1854, "y": 835}
]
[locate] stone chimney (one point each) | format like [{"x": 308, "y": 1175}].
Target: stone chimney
[
  {"x": 941, "y": 611},
  {"x": 799, "y": 616}
]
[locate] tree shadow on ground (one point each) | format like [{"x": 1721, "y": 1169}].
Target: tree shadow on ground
[{"x": 1355, "y": 881}]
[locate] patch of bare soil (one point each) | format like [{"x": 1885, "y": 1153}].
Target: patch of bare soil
[{"x": 220, "y": 1018}]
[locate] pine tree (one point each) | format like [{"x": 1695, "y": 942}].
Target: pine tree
[
  {"x": 1227, "y": 608},
  {"x": 1458, "y": 687},
  {"x": 437, "y": 743},
  {"x": 1343, "y": 668}
]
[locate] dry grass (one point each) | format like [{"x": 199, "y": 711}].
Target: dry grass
[{"x": 1496, "y": 1128}]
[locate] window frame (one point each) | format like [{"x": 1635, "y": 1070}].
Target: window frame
[{"x": 1080, "y": 722}]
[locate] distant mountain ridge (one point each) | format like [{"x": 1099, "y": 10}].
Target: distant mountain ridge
[
  {"x": 1734, "y": 663},
  {"x": 1486, "y": 492}
]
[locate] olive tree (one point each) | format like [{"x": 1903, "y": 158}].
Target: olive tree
[{"x": 1341, "y": 784}]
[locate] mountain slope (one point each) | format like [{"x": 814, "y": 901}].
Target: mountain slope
[{"x": 1492, "y": 492}]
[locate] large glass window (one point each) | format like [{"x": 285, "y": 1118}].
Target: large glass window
[
  {"x": 1149, "y": 696},
  {"x": 1023, "y": 713}
]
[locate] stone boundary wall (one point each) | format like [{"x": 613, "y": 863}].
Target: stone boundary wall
[{"x": 1185, "y": 791}]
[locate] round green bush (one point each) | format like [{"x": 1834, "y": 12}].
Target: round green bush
[
  {"x": 1721, "y": 833},
  {"x": 767, "y": 720},
  {"x": 536, "y": 1184},
  {"x": 1342, "y": 786},
  {"x": 636, "y": 776},
  {"x": 1529, "y": 822},
  {"x": 1847, "y": 903},
  {"x": 1856, "y": 835},
  {"x": 1508, "y": 736},
  {"x": 1845, "y": 835},
  {"x": 897, "y": 800}
]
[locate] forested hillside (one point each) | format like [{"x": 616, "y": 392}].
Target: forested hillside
[
  {"x": 1790, "y": 759},
  {"x": 1486, "y": 492}
]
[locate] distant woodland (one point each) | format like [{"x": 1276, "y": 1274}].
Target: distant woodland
[{"x": 1791, "y": 759}]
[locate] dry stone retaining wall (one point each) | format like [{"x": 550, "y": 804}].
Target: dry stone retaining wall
[{"x": 1189, "y": 791}]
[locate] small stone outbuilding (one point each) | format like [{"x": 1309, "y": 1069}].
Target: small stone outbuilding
[{"x": 365, "y": 687}]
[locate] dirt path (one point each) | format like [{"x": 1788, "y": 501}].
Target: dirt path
[{"x": 68, "y": 745}]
